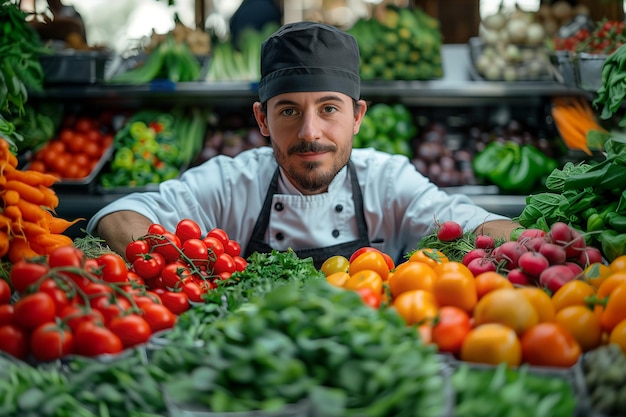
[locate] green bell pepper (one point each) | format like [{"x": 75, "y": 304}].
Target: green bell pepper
[
  {"x": 616, "y": 221},
  {"x": 123, "y": 159},
  {"x": 595, "y": 223}
]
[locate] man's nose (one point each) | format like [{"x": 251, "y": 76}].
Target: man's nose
[{"x": 310, "y": 127}]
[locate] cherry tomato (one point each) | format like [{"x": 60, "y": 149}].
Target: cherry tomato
[
  {"x": 334, "y": 264},
  {"x": 75, "y": 315},
  {"x": 156, "y": 229},
  {"x": 196, "y": 251},
  {"x": 34, "y": 309},
  {"x": 159, "y": 317},
  {"x": 132, "y": 329},
  {"x": 240, "y": 263},
  {"x": 370, "y": 297},
  {"x": 549, "y": 344},
  {"x": 149, "y": 266},
  {"x": 6, "y": 314},
  {"x": 14, "y": 341},
  {"x": 450, "y": 329},
  {"x": 112, "y": 307},
  {"x": 188, "y": 229},
  {"x": 113, "y": 267},
  {"x": 173, "y": 273},
  {"x": 220, "y": 234},
  {"x": 66, "y": 256},
  {"x": 92, "y": 339},
  {"x": 135, "y": 249},
  {"x": 5, "y": 292},
  {"x": 176, "y": 302},
  {"x": 96, "y": 291},
  {"x": 50, "y": 341},
  {"x": 224, "y": 263},
  {"x": 233, "y": 248},
  {"x": 215, "y": 247},
  {"x": 193, "y": 290},
  {"x": 59, "y": 296},
  {"x": 169, "y": 246},
  {"x": 25, "y": 273}
]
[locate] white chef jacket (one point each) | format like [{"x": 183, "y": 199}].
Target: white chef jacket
[{"x": 400, "y": 204}]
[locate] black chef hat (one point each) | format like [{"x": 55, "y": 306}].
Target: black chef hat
[{"x": 308, "y": 56}]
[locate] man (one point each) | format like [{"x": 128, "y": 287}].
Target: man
[{"x": 310, "y": 191}]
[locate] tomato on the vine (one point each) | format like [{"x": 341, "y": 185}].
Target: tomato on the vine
[
  {"x": 169, "y": 246},
  {"x": 34, "y": 309},
  {"x": 112, "y": 307},
  {"x": 233, "y": 248},
  {"x": 224, "y": 263},
  {"x": 196, "y": 251},
  {"x": 159, "y": 317},
  {"x": 50, "y": 341},
  {"x": 135, "y": 249},
  {"x": 6, "y": 314},
  {"x": 113, "y": 267},
  {"x": 220, "y": 234},
  {"x": 14, "y": 341},
  {"x": 156, "y": 229},
  {"x": 5, "y": 292},
  {"x": 25, "y": 273},
  {"x": 149, "y": 266},
  {"x": 193, "y": 291},
  {"x": 173, "y": 273},
  {"x": 58, "y": 295},
  {"x": 176, "y": 301},
  {"x": 91, "y": 339},
  {"x": 132, "y": 329},
  {"x": 75, "y": 315},
  {"x": 188, "y": 229},
  {"x": 66, "y": 256},
  {"x": 214, "y": 246},
  {"x": 240, "y": 263}
]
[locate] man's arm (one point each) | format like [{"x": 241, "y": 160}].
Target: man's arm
[
  {"x": 120, "y": 228},
  {"x": 497, "y": 228}
]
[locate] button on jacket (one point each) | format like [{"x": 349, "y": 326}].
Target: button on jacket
[{"x": 400, "y": 204}]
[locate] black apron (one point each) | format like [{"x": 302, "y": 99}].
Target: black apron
[{"x": 257, "y": 240}]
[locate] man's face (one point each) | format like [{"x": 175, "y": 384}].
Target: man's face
[{"x": 312, "y": 134}]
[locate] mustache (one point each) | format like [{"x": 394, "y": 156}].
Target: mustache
[{"x": 304, "y": 147}]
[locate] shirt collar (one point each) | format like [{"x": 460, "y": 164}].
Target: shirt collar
[{"x": 286, "y": 187}]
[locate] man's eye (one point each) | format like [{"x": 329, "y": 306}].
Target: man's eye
[
  {"x": 329, "y": 109},
  {"x": 288, "y": 112}
]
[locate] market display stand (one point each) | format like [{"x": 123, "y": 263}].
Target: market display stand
[{"x": 453, "y": 93}]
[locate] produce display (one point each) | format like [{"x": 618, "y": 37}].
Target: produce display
[
  {"x": 577, "y": 124},
  {"x": 399, "y": 44},
  {"x": 387, "y": 127}
]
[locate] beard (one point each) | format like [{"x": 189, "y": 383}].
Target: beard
[{"x": 312, "y": 176}]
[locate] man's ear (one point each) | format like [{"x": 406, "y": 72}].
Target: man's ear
[
  {"x": 261, "y": 119},
  {"x": 358, "y": 116}
]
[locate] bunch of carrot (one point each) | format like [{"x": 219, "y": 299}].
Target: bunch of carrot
[
  {"x": 574, "y": 118},
  {"x": 28, "y": 225}
]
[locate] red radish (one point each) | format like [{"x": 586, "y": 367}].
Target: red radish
[
  {"x": 518, "y": 277},
  {"x": 473, "y": 254},
  {"x": 480, "y": 265},
  {"x": 484, "y": 242},
  {"x": 531, "y": 233},
  {"x": 555, "y": 276},
  {"x": 533, "y": 243},
  {"x": 590, "y": 255},
  {"x": 555, "y": 254},
  {"x": 575, "y": 246},
  {"x": 574, "y": 267},
  {"x": 449, "y": 231},
  {"x": 509, "y": 252},
  {"x": 533, "y": 263},
  {"x": 560, "y": 233}
]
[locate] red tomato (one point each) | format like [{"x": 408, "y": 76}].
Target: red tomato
[
  {"x": 14, "y": 341},
  {"x": 149, "y": 266},
  {"x": 224, "y": 263},
  {"x": 370, "y": 297},
  {"x": 549, "y": 344},
  {"x": 169, "y": 246},
  {"x": 196, "y": 251},
  {"x": 451, "y": 327},
  {"x": 149, "y": 298},
  {"x": 135, "y": 249},
  {"x": 92, "y": 339},
  {"x": 75, "y": 315},
  {"x": 233, "y": 248},
  {"x": 96, "y": 291},
  {"x": 158, "y": 317},
  {"x": 215, "y": 247},
  {"x": 50, "y": 287},
  {"x": 5, "y": 292},
  {"x": 50, "y": 341},
  {"x": 193, "y": 290},
  {"x": 132, "y": 329},
  {"x": 173, "y": 273},
  {"x": 6, "y": 314},
  {"x": 220, "y": 234},
  {"x": 25, "y": 273},
  {"x": 33, "y": 310},
  {"x": 156, "y": 229},
  {"x": 66, "y": 256},
  {"x": 188, "y": 229},
  {"x": 240, "y": 263},
  {"x": 113, "y": 267},
  {"x": 84, "y": 124},
  {"x": 361, "y": 251},
  {"x": 112, "y": 307},
  {"x": 176, "y": 302}
]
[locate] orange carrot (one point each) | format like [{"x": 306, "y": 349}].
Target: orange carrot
[
  {"x": 20, "y": 249},
  {"x": 5, "y": 222},
  {"x": 30, "y": 212},
  {"x": 60, "y": 225},
  {"x": 13, "y": 213},
  {"x": 50, "y": 197},
  {"x": 50, "y": 241},
  {"x": 31, "y": 230},
  {"x": 30, "y": 177},
  {"x": 4, "y": 243},
  {"x": 11, "y": 197},
  {"x": 27, "y": 192}
]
